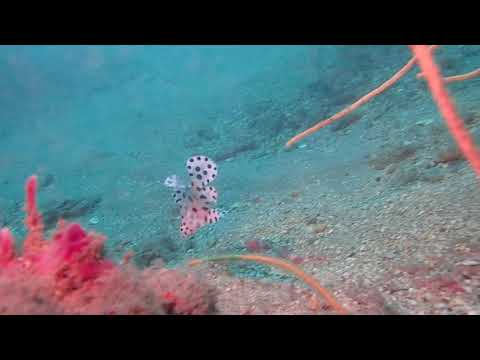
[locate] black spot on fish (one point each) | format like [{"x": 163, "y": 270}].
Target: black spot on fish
[
  {"x": 197, "y": 168},
  {"x": 205, "y": 172},
  {"x": 209, "y": 166},
  {"x": 199, "y": 177},
  {"x": 194, "y": 209},
  {"x": 199, "y": 158},
  {"x": 191, "y": 160},
  {"x": 203, "y": 197}
]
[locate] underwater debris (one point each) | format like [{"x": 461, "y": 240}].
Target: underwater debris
[
  {"x": 69, "y": 275},
  {"x": 196, "y": 201},
  {"x": 448, "y": 155},
  {"x": 236, "y": 151},
  {"x": 382, "y": 160},
  {"x": 295, "y": 194},
  {"x": 404, "y": 176},
  {"x": 256, "y": 246},
  {"x": 317, "y": 228},
  {"x": 70, "y": 209}
]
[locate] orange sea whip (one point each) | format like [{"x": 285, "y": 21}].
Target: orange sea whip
[
  {"x": 455, "y": 78},
  {"x": 405, "y": 69},
  {"x": 439, "y": 93},
  {"x": 284, "y": 265}
]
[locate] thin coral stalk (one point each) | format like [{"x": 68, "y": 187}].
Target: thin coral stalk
[
  {"x": 284, "y": 265},
  {"x": 33, "y": 221},
  {"x": 446, "y": 106},
  {"x": 7, "y": 246},
  {"x": 386, "y": 85},
  {"x": 450, "y": 79}
]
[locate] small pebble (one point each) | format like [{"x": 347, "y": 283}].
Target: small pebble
[
  {"x": 94, "y": 220},
  {"x": 469, "y": 263}
]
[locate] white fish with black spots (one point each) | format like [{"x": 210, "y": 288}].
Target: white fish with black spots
[{"x": 197, "y": 200}]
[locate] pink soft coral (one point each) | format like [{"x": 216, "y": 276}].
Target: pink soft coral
[{"x": 69, "y": 275}]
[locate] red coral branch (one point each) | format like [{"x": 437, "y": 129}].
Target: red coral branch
[{"x": 446, "y": 106}]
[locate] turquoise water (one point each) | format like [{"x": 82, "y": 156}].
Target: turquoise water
[{"x": 103, "y": 126}]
